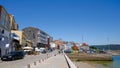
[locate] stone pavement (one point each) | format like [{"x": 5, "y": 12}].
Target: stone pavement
[{"x": 57, "y": 61}]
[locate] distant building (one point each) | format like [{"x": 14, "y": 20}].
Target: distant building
[
  {"x": 38, "y": 37},
  {"x": 59, "y": 43},
  {"x": 53, "y": 45},
  {"x": 31, "y": 34},
  {"x": 50, "y": 39},
  {"x": 42, "y": 39},
  {"x": 78, "y": 44},
  {"x": 5, "y": 32},
  {"x": 84, "y": 47},
  {"x": 68, "y": 45}
]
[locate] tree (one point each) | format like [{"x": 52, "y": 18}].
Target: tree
[{"x": 93, "y": 47}]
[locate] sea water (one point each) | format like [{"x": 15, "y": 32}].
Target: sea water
[
  {"x": 116, "y": 62},
  {"x": 110, "y": 64}
]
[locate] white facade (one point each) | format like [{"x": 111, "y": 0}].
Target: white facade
[
  {"x": 85, "y": 47},
  {"x": 68, "y": 46},
  {"x": 53, "y": 45}
]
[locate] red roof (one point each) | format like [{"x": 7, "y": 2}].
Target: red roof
[{"x": 84, "y": 44}]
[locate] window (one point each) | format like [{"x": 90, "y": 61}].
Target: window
[
  {"x": 5, "y": 20},
  {"x": 33, "y": 35},
  {"x": 2, "y": 31},
  {"x": 14, "y": 35},
  {"x": 3, "y": 15}
]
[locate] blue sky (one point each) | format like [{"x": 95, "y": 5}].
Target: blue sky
[{"x": 94, "y": 20}]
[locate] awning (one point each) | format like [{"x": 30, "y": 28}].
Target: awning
[{"x": 27, "y": 48}]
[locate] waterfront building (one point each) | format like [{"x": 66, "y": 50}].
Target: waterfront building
[
  {"x": 39, "y": 38},
  {"x": 31, "y": 34},
  {"x": 22, "y": 38},
  {"x": 62, "y": 45},
  {"x": 5, "y": 32},
  {"x": 42, "y": 39},
  {"x": 49, "y": 40},
  {"x": 84, "y": 48},
  {"x": 14, "y": 37},
  {"x": 68, "y": 46},
  {"x": 78, "y": 44},
  {"x": 53, "y": 45}
]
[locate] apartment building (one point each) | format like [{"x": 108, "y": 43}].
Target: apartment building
[
  {"x": 5, "y": 31},
  {"x": 42, "y": 39},
  {"x": 39, "y": 37},
  {"x": 31, "y": 34}
]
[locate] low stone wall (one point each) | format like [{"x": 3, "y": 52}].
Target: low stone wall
[
  {"x": 90, "y": 57},
  {"x": 69, "y": 62}
]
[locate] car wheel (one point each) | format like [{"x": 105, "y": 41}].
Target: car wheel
[
  {"x": 22, "y": 57},
  {"x": 12, "y": 58},
  {"x": 2, "y": 59}
]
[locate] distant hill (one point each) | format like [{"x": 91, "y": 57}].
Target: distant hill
[{"x": 108, "y": 47}]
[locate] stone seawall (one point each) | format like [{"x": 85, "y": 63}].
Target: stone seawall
[{"x": 90, "y": 57}]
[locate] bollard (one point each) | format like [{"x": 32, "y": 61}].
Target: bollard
[
  {"x": 47, "y": 55},
  {"x": 43, "y": 60},
  {"x": 34, "y": 63},
  {"x": 39, "y": 61},
  {"x": 28, "y": 66}
]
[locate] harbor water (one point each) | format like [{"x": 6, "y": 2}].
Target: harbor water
[
  {"x": 116, "y": 62},
  {"x": 106, "y": 64}
]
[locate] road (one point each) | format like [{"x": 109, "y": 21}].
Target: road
[{"x": 23, "y": 62}]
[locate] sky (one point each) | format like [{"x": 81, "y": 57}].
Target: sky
[{"x": 91, "y": 21}]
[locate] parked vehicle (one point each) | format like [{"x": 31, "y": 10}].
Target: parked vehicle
[
  {"x": 68, "y": 51},
  {"x": 13, "y": 55},
  {"x": 44, "y": 51}
]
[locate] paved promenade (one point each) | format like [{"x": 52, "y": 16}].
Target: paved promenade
[{"x": 57, "y": 61}]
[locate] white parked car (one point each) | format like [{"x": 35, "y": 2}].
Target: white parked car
[{"x": 42, "y": 49}]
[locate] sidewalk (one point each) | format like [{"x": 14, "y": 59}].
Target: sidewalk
[{"x": 57, "y": 61}]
